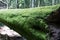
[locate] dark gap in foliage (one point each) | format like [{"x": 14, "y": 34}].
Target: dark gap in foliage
[{"x": 53, "y": 21}]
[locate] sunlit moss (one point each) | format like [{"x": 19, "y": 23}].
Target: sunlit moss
[{"x": 27, "y": 21}]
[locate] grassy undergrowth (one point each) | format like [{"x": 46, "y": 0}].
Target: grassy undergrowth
[{"x": 28, "y": 22}]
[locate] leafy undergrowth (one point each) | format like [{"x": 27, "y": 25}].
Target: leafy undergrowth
[{"x": 28, "y": 22}]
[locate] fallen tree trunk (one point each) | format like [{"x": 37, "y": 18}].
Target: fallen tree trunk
[{"x": 27, "y": 22}]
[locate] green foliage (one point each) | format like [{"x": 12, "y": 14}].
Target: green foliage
[{"x": 28, "y": 22}]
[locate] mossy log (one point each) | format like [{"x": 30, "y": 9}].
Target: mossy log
[{"x": 28, "y": 22}]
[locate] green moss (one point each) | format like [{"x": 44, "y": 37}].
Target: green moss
[{"x": 28, "y": 22}]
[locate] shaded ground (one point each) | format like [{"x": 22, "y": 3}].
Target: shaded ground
[{"x": 53, "y": 21}]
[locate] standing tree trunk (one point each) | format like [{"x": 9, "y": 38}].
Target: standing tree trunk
[
  {"x": 17, "y": 3},
  {"x": 7, "y": 4},
  {"x": 38, "y": 3},
  {"x": 27, "y": 2},
  {"x": 50, "y": 2},
  {"x": 24, "y": 4},
  {"x": 32, "y": 3},
  {"x": 42, "y": 2},
  {"x": 53, "y": 2}
]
